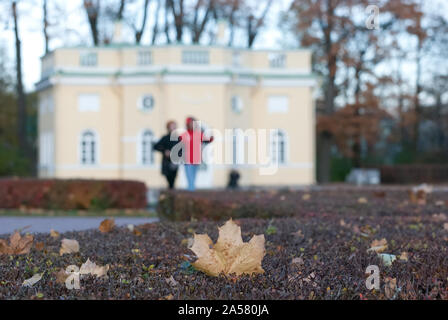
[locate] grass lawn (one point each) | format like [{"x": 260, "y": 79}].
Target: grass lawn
[{"x": 319, "y": 250}]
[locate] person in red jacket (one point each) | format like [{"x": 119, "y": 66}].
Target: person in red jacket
[{"x": 192, "y": 140}]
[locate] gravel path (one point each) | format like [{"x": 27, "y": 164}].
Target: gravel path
[{"x": 62, "y": 224}]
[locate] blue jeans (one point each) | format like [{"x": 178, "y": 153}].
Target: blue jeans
[{"x": 190, "y": 171}]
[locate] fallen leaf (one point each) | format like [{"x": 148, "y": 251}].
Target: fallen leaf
[
  {"x": 31, "y": 281},
  {"x": 90, "y": 267},
  {"x": 387, "y": 258},
  {"x": 297, "y": 261},
  {"x": 54, "y": 234},
  {"x": 107, "y": 225},
  {"x": 17, "y": 244},
  {"x": 379, "y": 194},
  {"x": 298, "y": 233},
  {"x": 445, "y": 226},
  {"x": 61, "y": 276},
  {"x": 378, "y": 246},
  {"x": 390, "y": 287},
  {"x": 404, "y": 256},
  {"x": 171, "y": 281},
  {"x": 39, "y": 246},
  {"x": 362, "y": 200},
  {"x": 306, "y": 196},
  {"x": 230, "y": 254},
  {"x": 439, "y": 217},
  {"x": 68, "y": 246},
  {"x": 418, "y": 194}
]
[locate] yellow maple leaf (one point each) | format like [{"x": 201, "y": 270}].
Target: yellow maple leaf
[{"x": 230, "y": 255}]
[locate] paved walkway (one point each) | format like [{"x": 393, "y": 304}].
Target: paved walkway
[{"x": 62, "y": 224}]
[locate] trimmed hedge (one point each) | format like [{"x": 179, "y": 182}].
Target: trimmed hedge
[
  {"x": 414, "y": 173},
  {"x": 72, "y": 194},
  {"x": 218, "y": 205},
  {"x": 344, "y": 201}
]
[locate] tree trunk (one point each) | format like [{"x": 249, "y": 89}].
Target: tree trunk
[
  {"x": 167, "y": 26},
  {"x": 417, "y": 106},
  {"x": 155, "y": 30},
  {"x": 21, "y": 99},
  {"x": 92, "y": 12}
]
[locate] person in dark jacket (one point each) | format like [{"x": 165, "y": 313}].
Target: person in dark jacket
[
  {"x": 234, "y": 176},
  {"x": 164, "y": 145}
]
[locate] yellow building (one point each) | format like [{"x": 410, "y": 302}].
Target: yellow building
[{"x": 102, "y": 107}]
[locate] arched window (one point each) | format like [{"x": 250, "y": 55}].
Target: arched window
[
  {"x": 88, "y": 147},
  {"x": 147, "y": 154},
  {"x": 278, "y": 146}
]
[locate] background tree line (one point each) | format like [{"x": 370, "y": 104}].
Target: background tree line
[{"x": 383, "y": 96}]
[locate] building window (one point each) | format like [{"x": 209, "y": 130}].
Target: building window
[
  {"x": 144, "y": 58},
  {"x": 146, "y": 102},
  {"x": 277, "y": 60},
  {"x": 147, "y": 142},
  {"x": 88, "y": 147},
  {"x": 278, "y": 146},
  {"x": 88, "y": 59},
  {"x": 236, "y": 104},
  {"x": 195, "y": 57},
  {"x": 88, "y": 102},
  {"x": 278, "y": 104}
]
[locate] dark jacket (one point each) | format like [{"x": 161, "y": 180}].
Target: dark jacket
[{"x": 163, "y": 145}]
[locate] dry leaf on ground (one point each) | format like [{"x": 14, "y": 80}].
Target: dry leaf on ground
[
  {"x": 69, "y": 246},
  {"x": 54, "y": 234},
  {"x": 390, "y": 287},
  {"x": 61, "y": 276},
  {"x": 230, "y": 254},
  {"x": 39, "y": 246},
  {"x": 445, "y": 226},
  {"x": 31, "y": 281},
  {"x": 171, "y": 281},
  {"x": 107, "y": 225},
  {"x": 418, "y": 194},
  {"x": 92, "y": 268},
  {"x": 439, "y": 217},
  {"x": 362, "y": 200},
  {"x": 17, "y": 244},
  {"x": 404, "y": 256},
  {"x": 378, "y": 246},
  {"x": 306, "y": 196}
]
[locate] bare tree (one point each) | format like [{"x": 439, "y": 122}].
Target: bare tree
[
  {"x": 254, "y": 24},
  {"x": 178, "y": 13},
  {"x": 92, "y": 9},
  {"x": 155, "y": 29},
  {"x": 21, "y": 98},
  {"x": 198, "y": 24},
  {"x": 139, "y": 30}
]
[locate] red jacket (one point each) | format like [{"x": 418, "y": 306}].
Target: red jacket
[{"x": 193, "y": 145}]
